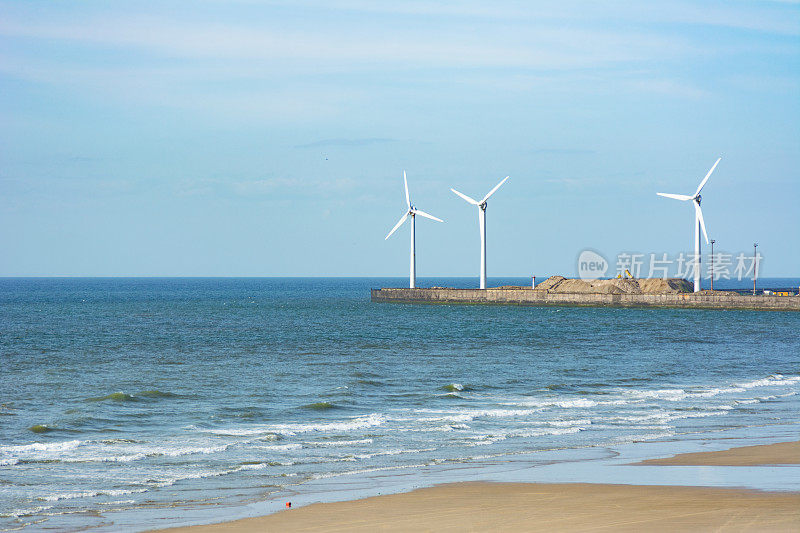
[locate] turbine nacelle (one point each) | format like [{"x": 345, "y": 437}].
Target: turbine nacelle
[
  {"x": 413, "y": 211},
  {"x": 482, "y": 203}
]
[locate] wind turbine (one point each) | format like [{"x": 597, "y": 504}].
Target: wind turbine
[
  {"x": 698, "y": 222},
  {"x": 413, "y": 211},
  {"x": 482, "y": 224}
]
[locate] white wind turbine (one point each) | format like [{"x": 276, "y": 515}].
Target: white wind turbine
[
  {"x": 481, "y": 224},
  {"x": 413, "y": 211},
  {"x": 699, "y": 223}
]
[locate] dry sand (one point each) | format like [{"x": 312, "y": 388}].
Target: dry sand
[
  {"x": 560, "y": 284},
  {"x": 556, "y": 507},
  {"x": 538, "y": 507}
]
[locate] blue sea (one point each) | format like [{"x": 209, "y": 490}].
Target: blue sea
[{"x": 142, "y": 403}]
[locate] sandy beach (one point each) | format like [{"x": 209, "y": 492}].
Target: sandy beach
[{"x": 557, "y": 507}]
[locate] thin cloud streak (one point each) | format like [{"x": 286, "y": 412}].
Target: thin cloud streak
[
  {"x": 563, "y": 151},
  {"x": 346, "y": 142},
  {"x": 769, "y": 16},
  {"x": 543, "y": 48}
]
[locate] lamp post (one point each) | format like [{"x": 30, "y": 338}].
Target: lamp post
[
  {"x": 755, "y": 266},
  {"x": 712, "y": 263}
]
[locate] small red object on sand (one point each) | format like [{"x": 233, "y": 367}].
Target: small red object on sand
[{"x": 288, "y": 505}]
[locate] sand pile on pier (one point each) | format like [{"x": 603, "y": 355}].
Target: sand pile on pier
[{"x": 560, "y": 284}]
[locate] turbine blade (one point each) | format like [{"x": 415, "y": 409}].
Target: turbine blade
[
  {"x": 675, "y": 196},
  {"x": 702, "y": 183},
  {"x": 493, "y": 190},
  {"x": 408, "y": 196},
  {"x": 426, "y": 215},
  {"x": 399, "y": 223},
  {"x": 465, "y": 197},
  {"x": 699, "y": 213}
]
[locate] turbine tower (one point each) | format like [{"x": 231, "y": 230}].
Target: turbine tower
[
  {"x": 698, "y": 222},
  {"x": 413, "y": 211},
  {"x": 481, "y": 224}
]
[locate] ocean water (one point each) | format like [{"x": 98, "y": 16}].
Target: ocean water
[{"x": 137, "y": 397}]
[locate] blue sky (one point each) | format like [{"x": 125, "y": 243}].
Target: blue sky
[{"x": 269, "y": 138}]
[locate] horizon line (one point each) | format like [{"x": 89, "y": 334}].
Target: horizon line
[{"x": 58, "y": 276}]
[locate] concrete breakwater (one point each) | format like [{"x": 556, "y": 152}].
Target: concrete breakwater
[{"x": 546, "y": 297}]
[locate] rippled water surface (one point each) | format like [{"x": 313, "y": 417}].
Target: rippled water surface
[{"x": 146, "y": 394}]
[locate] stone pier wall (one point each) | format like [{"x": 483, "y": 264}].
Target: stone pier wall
[{"x": 523, "y": 296}]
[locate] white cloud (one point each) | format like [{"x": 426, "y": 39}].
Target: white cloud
[
  {"x": 766, "y": 15},
  {"x": 667, "y": 88},
  {"x": 536, "y": 47},
  {"x": 264, "y": 67}
]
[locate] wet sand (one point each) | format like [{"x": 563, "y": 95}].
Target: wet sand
[
  {"x": 556, "y": 507},
  {"x": 784, "y": 453}
]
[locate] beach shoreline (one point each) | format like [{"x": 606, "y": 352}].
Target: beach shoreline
[{"x": 485, "y": 505}]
